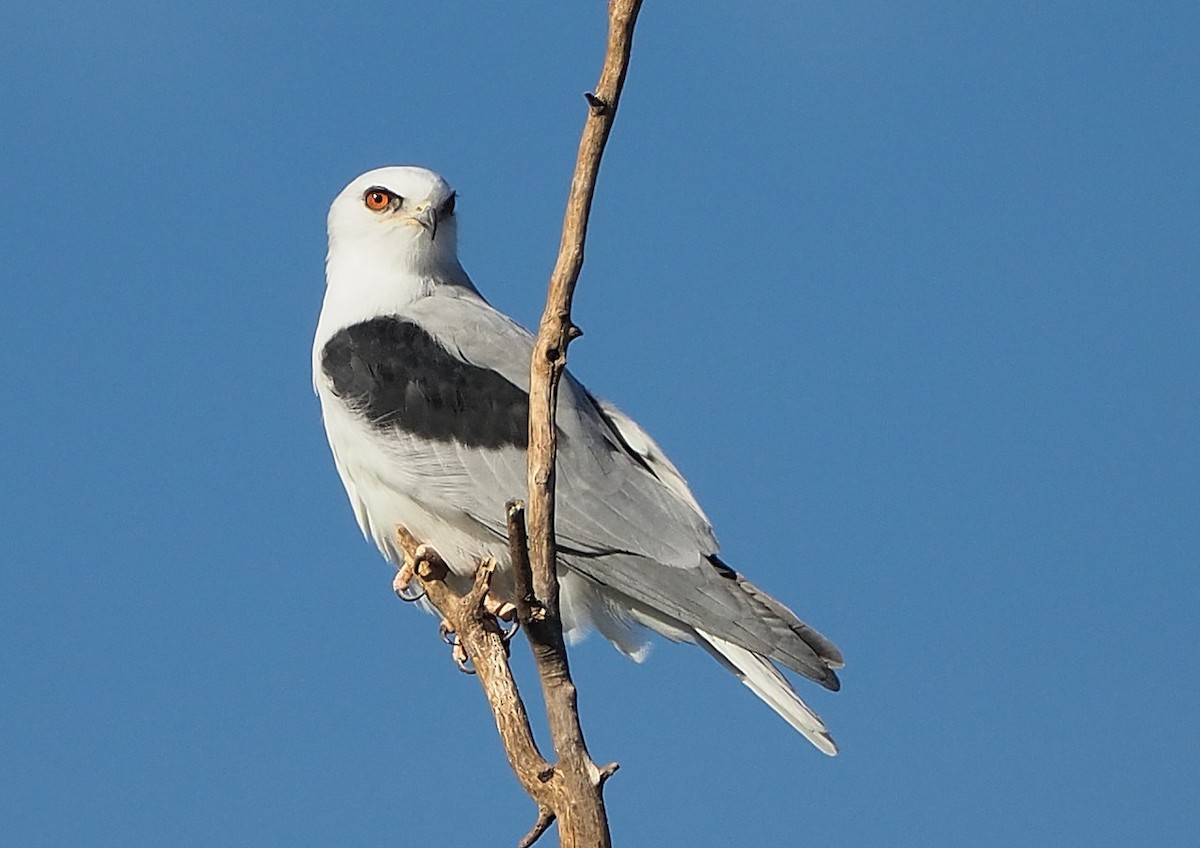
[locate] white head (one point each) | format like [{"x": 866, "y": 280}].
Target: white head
[
  {"x": 404, "y": 213},
  {"x": 393, "y": 237}
]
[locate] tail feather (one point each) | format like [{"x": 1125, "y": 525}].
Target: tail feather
[{"x": 765, "y": 681}]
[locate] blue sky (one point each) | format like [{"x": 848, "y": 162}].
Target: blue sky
[{"x": 910, "y": 294}]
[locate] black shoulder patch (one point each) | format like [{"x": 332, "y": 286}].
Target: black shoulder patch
[{"x": 397, "y": 376}]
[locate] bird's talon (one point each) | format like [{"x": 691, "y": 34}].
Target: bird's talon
[
  {"x": 402, "y": 582},
  {"x": 410, "y": 599},
  {"x": 503, "y": 610},
  {"x": 459, "y": 654},
  {"x": 507, "y": 634}
]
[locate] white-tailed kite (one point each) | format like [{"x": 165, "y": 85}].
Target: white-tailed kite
[{"x": 424, "y": 392}]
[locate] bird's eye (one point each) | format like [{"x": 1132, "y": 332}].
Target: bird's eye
[
  {"x": 377, "y": 199},
  {"x": 448, "y": 207}
]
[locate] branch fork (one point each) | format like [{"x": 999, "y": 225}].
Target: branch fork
[
  {"x": 480, "y": 641},
  {"x": 481, "y": 644}
]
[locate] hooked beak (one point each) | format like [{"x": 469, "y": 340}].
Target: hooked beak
[{"x": 427, "y": 217}]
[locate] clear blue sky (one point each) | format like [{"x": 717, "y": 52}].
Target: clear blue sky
[{"x": 910, "y": 292}]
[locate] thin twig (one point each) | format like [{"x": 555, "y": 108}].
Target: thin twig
[{"x": 544, "y": 820}]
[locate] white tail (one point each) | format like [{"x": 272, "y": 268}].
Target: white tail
[{"x": 765, "y": 681}]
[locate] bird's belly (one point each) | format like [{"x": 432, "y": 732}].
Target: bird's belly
[{"x": 386, "y": 493}]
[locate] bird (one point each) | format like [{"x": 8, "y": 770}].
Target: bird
[{"x": 424, "y": 393}]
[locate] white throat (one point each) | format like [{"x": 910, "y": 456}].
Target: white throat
[{"x": 367, "y": 278}]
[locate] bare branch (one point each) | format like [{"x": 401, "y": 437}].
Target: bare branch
[
  {"x": 570, "y": 791},
  {"x": 584, "y": 821},
  {"x": 544, "y": 820},
  {"x": 482, "y": 639}
]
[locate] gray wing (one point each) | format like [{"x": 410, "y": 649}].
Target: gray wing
[
  {"x": 625, "y": 518},
  {"x": 610, "y": 497}
]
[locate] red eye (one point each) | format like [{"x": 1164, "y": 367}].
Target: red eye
[{"x": 378, "y": 199}]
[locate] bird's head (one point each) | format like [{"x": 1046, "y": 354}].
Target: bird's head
[{"x": 401, "y": 217}]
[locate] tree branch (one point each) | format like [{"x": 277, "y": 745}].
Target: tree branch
[
  {"x": 569, "y": 791},
  {"x": 481, "y": 637},
  {"x": 583, "y": 822}
]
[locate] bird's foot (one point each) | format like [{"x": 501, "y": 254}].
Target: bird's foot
[
  {"x": 423, "y": 564},
  {"x": 403, "y": 581},
  {"x": 503, "y": 610},
  {"x": 420, "y": 561},
  {"x": 428, "y": 563},
  {"x": 457, "y": 652},
  {"x": 404, "y": 575}
]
